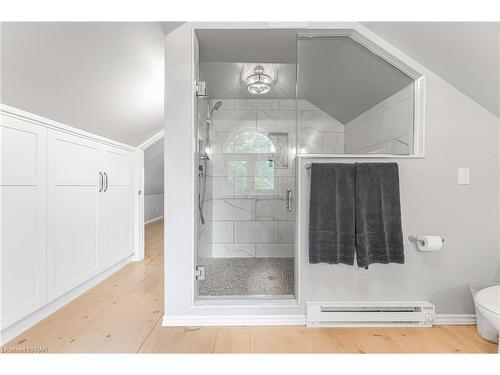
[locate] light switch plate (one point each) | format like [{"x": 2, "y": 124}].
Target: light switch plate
[{"x": 463, "y": 176}]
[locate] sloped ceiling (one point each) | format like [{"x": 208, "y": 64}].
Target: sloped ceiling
[
  {"x": 466, "y": 54},
  {"x": 170, "y": 26},
  {"x": 105, "y": 78}
]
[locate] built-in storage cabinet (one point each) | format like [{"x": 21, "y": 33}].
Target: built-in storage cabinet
[
  {"x": 67, "y": 213},
  {"x": 73, "y": 220},
  {"x": 90, "y": 226},
  {"x": 116, "y": 206},
  {"x": 23, "y": 223}
]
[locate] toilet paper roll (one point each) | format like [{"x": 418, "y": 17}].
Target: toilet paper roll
[{"x": 429, "y": 243}]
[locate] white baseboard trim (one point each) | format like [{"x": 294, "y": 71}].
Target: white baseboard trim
[
  {"x": 27, "y": 322},
  {"x": 153, "y": 220},
  {"x": 233, "y": 320},
  {"x": 283, "y": 320},
  {"x": 454, "y": 319}
]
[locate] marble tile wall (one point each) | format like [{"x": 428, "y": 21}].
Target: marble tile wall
[
  {"x": 247, "y": 221},
  {"x": 386, "y": 128}
]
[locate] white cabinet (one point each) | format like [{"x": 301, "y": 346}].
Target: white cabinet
[
  {"x": 90, "y": 209},
  {"x": 116, "y": 206},
  {"x": 23, "y": 219},
  {"x": 67, "y": 212},
  {"x": 72, "y": 201}
]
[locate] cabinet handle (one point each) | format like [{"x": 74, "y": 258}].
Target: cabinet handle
[
  {"x": 101, "y": 182},
  {"x": 106, "y": 181}
]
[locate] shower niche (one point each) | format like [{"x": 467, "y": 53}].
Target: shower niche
[{"x": 265, "y": 97}]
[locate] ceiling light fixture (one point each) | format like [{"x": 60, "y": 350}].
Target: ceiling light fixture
[{"x": 259, "y": 83}]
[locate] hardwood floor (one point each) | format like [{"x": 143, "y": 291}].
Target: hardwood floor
[{"x": 123, "y": 315}]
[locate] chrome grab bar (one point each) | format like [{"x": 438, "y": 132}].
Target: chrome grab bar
[{"x": 289, "y": 199}]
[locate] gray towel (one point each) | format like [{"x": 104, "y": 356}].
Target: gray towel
[
  {"x": 332, "y": 214},
  {"x": 379, "y": 237}
]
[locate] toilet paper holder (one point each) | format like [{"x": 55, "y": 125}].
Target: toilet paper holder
[{"x": 413, "y": 238}]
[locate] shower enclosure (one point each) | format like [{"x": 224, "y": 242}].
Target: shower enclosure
[
  {"x": 246, "y": 209},
  {"x": 256, "y": 110}
]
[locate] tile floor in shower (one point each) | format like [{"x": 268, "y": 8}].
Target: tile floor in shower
[{"x": 248, "y": 277}]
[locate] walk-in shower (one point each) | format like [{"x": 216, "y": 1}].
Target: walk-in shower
[
  {"x": 274, "y": 95},
  {"x": 246, "y": 179}
]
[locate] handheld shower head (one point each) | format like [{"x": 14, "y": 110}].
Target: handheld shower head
[{"x": 214, "y": 108}]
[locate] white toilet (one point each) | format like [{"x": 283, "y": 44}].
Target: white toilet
[{"x": 488, "y": 303}]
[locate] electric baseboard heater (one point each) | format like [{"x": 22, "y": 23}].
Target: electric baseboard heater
[{"x": 370, "y": 314}]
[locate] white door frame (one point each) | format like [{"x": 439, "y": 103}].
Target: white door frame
[{"x": 139, "y": 190}]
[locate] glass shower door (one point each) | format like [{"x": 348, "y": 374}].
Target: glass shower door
[{"x": 252, "y": 176}]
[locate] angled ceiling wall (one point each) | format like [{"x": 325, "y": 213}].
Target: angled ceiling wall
[
  {"x": 466, "y": 54},
  {"x": 105, "y": 78}
]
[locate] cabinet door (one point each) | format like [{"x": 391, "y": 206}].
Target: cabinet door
[
  {"x": 116, "y": 239},
  {"x": 72, "y": 196},
  {"x": 23, "y": 205}
]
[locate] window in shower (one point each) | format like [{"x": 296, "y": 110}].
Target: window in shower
[
  {"x": 254, "y": 173},
  {"x": 249, "y": 142}
]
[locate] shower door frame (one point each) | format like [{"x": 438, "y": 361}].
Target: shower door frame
[{"x": 240, "y": 301}]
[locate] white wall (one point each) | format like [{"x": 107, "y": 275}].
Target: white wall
[
  {"x": 153, "y": 207},
  {"x": 154, "y": 169},
  {"x": 180, "y": 149},
  {"x": 459, "y": 133},
  {"x": 153, "y": 181}
]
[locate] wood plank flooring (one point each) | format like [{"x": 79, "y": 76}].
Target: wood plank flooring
[{"x": 123, "y": 315}]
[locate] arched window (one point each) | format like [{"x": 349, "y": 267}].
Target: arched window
[
  {"x": 250, "y": 162},
  {"x": 249, "y": 142}
]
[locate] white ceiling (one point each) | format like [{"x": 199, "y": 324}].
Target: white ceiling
[
  {"x": 105, "y": 78},
  {"x": 466, "y": 54}
]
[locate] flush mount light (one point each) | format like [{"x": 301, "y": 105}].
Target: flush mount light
[{"x": 259, "y": 83}]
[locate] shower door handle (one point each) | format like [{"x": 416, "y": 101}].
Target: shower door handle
[{"x": 288, "y": 203}]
